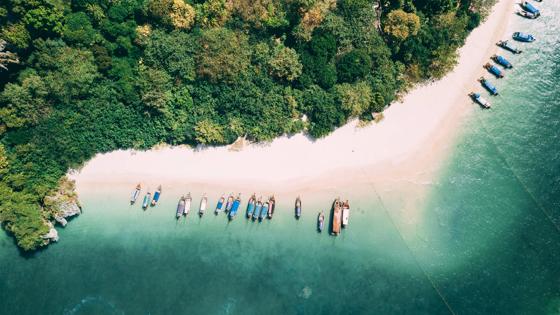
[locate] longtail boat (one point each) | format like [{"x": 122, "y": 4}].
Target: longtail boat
[
  {"x": 488, "y": 86},
  {"x": 264, "y": 211},
  {"x": 234, "y": 207},
  {"x": 476, "y": 97},
  {"x": 220, "y": 205},
  {"x": 494, "y": 70},
  {"x": 271, "y": 206},
  {"x": 146, "y": 201},
  {"x": 188, "y": 203},
  {"x": 298, "y": 207},
  {"x": 502, "y": 61},
  {"x": 135, "y": 194},
  {"x": 320, "y": 221},
  {"x": 527, "y": 6},
  {"x": 258, "y": 209},
  {"x": 203, "y": 204},
  {"x": 527, "y": 14},
  {"x": 180, "y": 207},
  {"x": 229, "y": 203},
  {"x": 157, "y": 194},
  {"x": 336, "y": 217},
  {"x": 251, "y": 206},
  {"x": 507, "y": 46},
  {"x": 345, "y": 213},
  {"x": 523, "y": 37}
]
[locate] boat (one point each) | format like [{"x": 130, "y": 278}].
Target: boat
[
  {"x": 527, "y": 6},
  {"x": 157, "y": 194},
  {"x": 502, "y": 61},
  {"x": 258, "y": 209},
  {"x": 251, "y": 206},
  {"x": 146, "y": 201},
  {"x": 480, "y": 100},
  {"x": 527, "y": 14},
  {"x": 203, "y": 204},
  {"x": 345, "y": 213},
  {"x": 220, "y": 204},
  {"x": 494, "y": 70},
  {"x": 320, "y": 221},
  {"x": 489, "y": 86},
  {"x": 180, "y": 207},
  {"x": 298, "y": 207},
  {"x": 264, "y": 211},
  {"x": 507, "y": 46},
  {"x": 336, "y": 217},
  {"x": 271, "y": 206},
  {"x": 523, "y": 37},
  {"x": 135, "y": 194},
  {"x": 229, "y": 203},
  {"x": 234, "y": 207},
  {"x": 188, "y": 203}
]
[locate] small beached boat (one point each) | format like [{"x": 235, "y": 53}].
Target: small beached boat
[
  {"x": 251, "y": 206},
  {"x": 146, "y": 201},
  {"x": 157, "y": 194},
  {"x": 271, "y": 206},
  {"x": 502, "y": 61},
  {"x": 523, "y": 37},
  {"x": 476, "y": 97},
  {"x": 258, "y": 209},
  {"x": 337, "y": 212},
  {"x": 320, "y": 221},
  {"x": 527, "y": 6},
  {"x": 264, "y": 211},
  {"x": 188, "y": 203},
  {"x": 488, "y": 86},
  {"x": 180, "y": 207},
  {"x": 345, "y": 213},
  {"x": 234, "y": 207},
  {"x": 507, "y": 46},
  {"x": 298, "y": 207},
  {"x": 494, "y": 70},
  {"x": 135, "y": 194},
  {"x": 526, "y": 14},
  {"x": 203, "y": 204},
  {"x": 229, "y": 203},
  {"x": 220, "y": 205}
]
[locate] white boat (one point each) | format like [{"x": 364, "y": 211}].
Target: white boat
[
  {"x": 203, "y": 204},
  {"x": 345, "y": 213},
  {"x": 188, "y": 202}
]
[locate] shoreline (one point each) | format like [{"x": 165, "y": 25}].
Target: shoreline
[{"x": 409, "y": 144}]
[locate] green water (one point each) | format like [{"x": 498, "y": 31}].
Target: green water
[{"x": 487, "y": 242}]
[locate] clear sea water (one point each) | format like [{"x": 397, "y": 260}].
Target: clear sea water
[{"x": 487, "y": 242}]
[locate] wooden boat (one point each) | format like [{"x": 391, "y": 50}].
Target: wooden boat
[
  {"x": 157, "y": 194},
  {"x": 494, "y": 70},
  {"x": 220, "y": 205},
  {"x": 523, "y": 37},
  {"x": 507, "y": 46},
  {"x": 527, "y": 6},
  {"x": 264, "y": 211},
  {"x": 320, "y": 221},
  {"x": 480, "y": 100},
  {"x": 502, "y": 61},
  {"x": 181, "y": 207},
  {"x": 271, "y": 206},
  {"x": 258, "y": 209},
  {"x": 135, "y": 194},
  {"x": 203, "y": 204},
  {"x": 234, "y": 207},
  {"x": 188, "y": 203},
  {"x": 345, "y": 213},
  {"x": 146, "y": 201},
  {"x": 337, "y": 212},
  {"x": 526, "y": 14},
  {"x": 298, "y": 207},
  {"x": 488, "y": 86},
  {"x": 251, "y": 206},
  {"x": 229, "y": 203}
]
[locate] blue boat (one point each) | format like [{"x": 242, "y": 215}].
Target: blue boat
[
  {"x": 146, "y": 201},
  {"x": 502, "y": 61},
  {"x": 135, "y": 194},
  {"x": 489, "y": 86},
  {"x": 507, "y": 46},
  {"x": 220, "y": 205},
  {"x": 264, "y": 211},
  {"x": 527, "y": 6},
  {"x": 320, "y": 221},
  {"x": 251, "y": 206},
  {"x": 480, "y": 100},
  {"x": 234, "y": 208},
  {"x": 229, "y": 203},
  {"x": 523, "y": 37},
  {"x": 156, "y": 196},
  {"x": 258, "y": 209},
  {"x": 494, "y": 70}
]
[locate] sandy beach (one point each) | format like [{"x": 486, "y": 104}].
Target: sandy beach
[{"x": 409, "y": 144}]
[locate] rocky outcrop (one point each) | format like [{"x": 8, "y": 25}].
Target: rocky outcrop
[
  {"x": 52, "y": 235},
  {"x": 62, "y": 203}
]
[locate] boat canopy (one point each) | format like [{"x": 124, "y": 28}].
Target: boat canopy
[
  {"x": 503, "y": 61},
  {"x": 530, "y": 8}
]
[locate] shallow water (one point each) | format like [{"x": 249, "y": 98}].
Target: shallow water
[{"x": 487, "y": 240}]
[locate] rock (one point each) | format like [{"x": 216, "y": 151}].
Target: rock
[{"x": 52, "y": 235}]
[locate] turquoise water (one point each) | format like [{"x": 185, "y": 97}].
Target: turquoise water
[{"x": 488, "y": 241}]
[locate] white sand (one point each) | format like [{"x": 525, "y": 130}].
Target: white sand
[{"x": 410, "y": 142}]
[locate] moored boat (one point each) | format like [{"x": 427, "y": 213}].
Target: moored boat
[
  {"x": 271, "y": 206},
  {"x": 258, "y": 209},
  {"x": 264, "y": 211},
  {"x": 298, "y": 207},
  {"x": 188, "y": 203},
  {"x": 523, "y": 37},
  {"x": 203, "y": 204},
  {"x": 494, "y": 70},
  {"x": 508, "y": 46},
  {"x": 146, "y": 201},
  {"x": 157, "y": 194},
  {"x": 220, "y": 204},
  {"x": 476, "y": 97},
  {"x": 229, "y": 203},
  {"x": 488, "y": 86},
  {"x": 251, "y": 206},
  {"x": 234, "y": 207},
  {"x": 180, "y": 207},
  {"x": 337, "y": 212},
  {"x": 527, "y": 6},
  {"x": 345, "y": 213},
  {"x": 527, "y": 14},
  {"x": 502, "y": 61},
  {"x": 135, "y": 194},
  {"x": 320, "y": 221}
]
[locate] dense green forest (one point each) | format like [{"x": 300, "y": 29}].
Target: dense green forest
[{"x": 87, "y": 76}]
